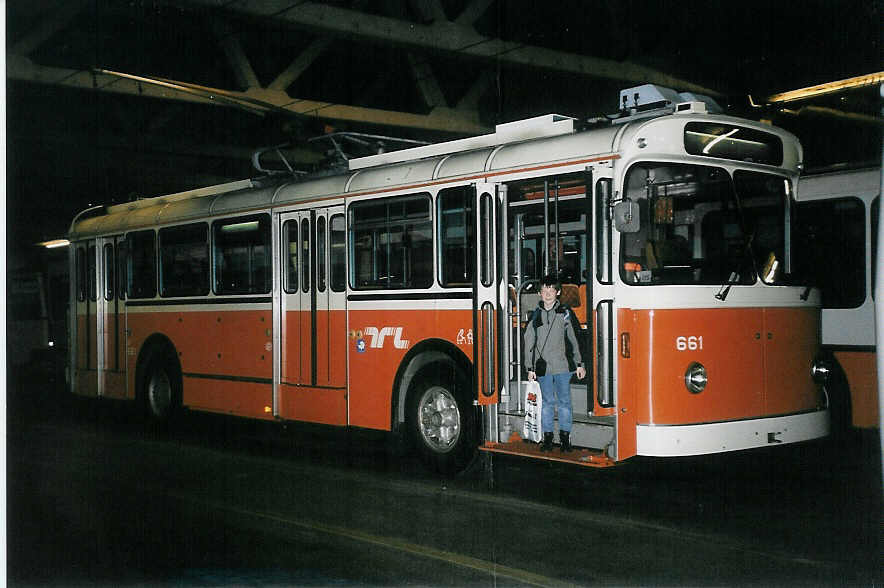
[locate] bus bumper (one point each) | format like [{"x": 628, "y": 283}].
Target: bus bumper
[{"x": 676, "y": 440}]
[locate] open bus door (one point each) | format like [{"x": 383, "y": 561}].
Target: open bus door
[{"x": 569, "y": 212}]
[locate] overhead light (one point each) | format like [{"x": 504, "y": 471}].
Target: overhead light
[
  {"x": 54, "y": 243},
  {"x": 240, "y": 227},
  {"x": 827, "y": 88}
]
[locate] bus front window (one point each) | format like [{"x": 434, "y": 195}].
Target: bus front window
[
  {"x": 765, "y": 202},
  {"x": 695, "y": 230}
]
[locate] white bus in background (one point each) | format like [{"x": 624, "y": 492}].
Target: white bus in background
[{"x": 838, "y": 213}]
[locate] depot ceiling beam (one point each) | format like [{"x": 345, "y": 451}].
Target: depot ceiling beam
[
  {"x": 429, "y": 9},
  {"x": 426, "y": 81},
  {"x": 470, "y": 100},
  {"x": 427, "y": 84},
  {"x": 450, "y": 38},
  {"x": 300, "y": 64},
  {"x": 473, "y": 12},
  {"x": 242, "y": 67},
  {"x": 255, "y": 100}
]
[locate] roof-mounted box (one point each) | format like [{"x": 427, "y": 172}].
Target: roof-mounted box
[{"x": 650, "y": 97}]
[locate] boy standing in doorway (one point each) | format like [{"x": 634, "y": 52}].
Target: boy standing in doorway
[{"x": 552, "y": 354}]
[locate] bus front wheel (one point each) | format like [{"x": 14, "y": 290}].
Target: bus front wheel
[{"x": 441, "y": 420}]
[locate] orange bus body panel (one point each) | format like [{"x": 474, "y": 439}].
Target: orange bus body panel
[
  {"x": 327, "y": 406},
  {"x": 791, "y": 341},
  {"x": 737, "y": 353},
  {"x": 236, "y": 344},
  {"x": 862, "y": 379},
  {"x": 114, "y": 367},
  {"x": 331, "y": 348},
  {"x": 249, "y": 399},
  {"x": 732, "y": 354},
  {"x": 293, "y": 340},
  {"x": 375, "y": 360},
  {"x": 230, "y": 342},
  {"x": 87, "y": 354},
  {"x": 627, "y": 382},
  {"x": 305, "y": 339}
]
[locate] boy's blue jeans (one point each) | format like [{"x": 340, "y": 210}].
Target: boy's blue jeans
[{"x": 556, "y": 390}]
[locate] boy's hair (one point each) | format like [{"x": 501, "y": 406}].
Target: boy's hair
[{"x": 551, "y": 280}]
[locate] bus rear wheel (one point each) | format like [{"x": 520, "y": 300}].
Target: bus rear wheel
[
  {"x": 161, "y": 388},
  {"x": 441, "y": 420}
]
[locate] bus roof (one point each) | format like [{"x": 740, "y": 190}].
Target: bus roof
[{"x": 540, "y": 142}]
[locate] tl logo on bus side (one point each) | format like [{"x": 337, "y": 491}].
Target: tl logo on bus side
[{"x": 377, "y": 338}]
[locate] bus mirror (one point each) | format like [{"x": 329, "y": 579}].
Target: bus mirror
[{"x": 626, "y": 216}]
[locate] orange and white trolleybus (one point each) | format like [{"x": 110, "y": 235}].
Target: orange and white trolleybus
[{"x": 393, "y": 294}]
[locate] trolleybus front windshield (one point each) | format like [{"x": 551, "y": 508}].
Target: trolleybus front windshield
[{"x": 699, "y": 225}]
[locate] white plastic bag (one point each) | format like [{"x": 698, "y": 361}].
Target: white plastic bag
[{"x": 531, "y": 429}]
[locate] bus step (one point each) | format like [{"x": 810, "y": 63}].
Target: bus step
[{"x": 579, "y": 456}]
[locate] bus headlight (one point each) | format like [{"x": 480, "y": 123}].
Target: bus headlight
[
  {"x": 820, "y": 371},
  {"x": 695, "y": 378}
]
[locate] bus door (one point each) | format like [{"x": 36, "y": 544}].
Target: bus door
[
  {"x": 111, "y": 319},
  {"x": 487, "y": 281},
  {"x": 312, "y": 317},
  {"x": 85, "y": 323}
]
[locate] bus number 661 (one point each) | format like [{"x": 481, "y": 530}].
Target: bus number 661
[{"x": 689, "y": 343}]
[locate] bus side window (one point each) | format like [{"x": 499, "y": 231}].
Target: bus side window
[
  {"x": 241, "y": 253},
  {"x": 109, "y": 272},
  {"x": 456, "y": 236},
  {"x": 81, "y": 274},
  {"x": 337, "y": 253},
  {"x": 122, "y": 259},
  {"x": 831, "y": 251},
  {"x": 184, "y": 260},
  {"x": 142, "y": 264},
  {"x": 320, "y": 254},
  {"x": 305, "y": 255},
  {"x": 91, "y": 283},
  {"x": 290, "y": 238},
  {"x": 390, "y": 241}
]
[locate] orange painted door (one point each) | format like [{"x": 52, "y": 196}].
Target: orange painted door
[{"x": 313, "y": 369}]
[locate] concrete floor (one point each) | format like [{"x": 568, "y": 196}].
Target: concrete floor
[{"x": 97, "y": 498}]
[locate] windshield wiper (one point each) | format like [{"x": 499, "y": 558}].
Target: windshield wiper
[{"x": 726, "y": 287}]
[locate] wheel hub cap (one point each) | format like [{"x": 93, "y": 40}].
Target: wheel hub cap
[{"x": 439, "y": 419}]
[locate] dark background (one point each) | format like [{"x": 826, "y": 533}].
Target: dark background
[
  {"x": 75, "y": 140},
  {"x": 97, "y": 498}
]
